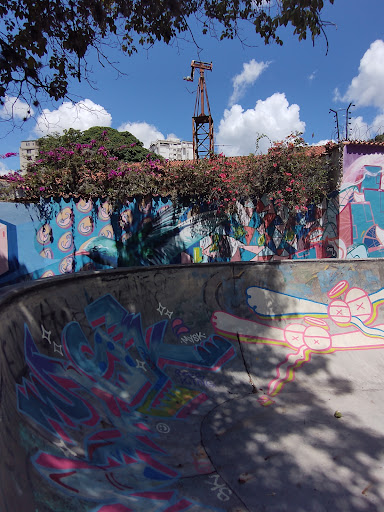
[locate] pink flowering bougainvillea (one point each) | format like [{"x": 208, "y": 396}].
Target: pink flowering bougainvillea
[
  {"x": 291, "y": 174},
  {"x": 8, "y": 155}
]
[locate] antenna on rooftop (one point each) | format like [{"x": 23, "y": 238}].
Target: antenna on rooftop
[{"x": 202, "y": 122}]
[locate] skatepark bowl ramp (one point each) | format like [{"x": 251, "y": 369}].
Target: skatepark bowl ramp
[{"x": 214, "y": 387}]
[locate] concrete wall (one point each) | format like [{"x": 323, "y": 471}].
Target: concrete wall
[{"x": 205, "y": 387}]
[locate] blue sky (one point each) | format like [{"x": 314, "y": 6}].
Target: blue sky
[{"x": 253, "y": 89}]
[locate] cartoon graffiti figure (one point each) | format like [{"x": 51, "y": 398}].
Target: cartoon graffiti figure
[
  {"x": 348, "y": 307},
  {"x": 157, "y": 243},
  {"x": 97, "y": 401}
]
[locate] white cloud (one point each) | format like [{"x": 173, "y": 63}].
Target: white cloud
[
  {"x": 172, "y": 136},
  {"x": 337, "y": 96},
  {"x": 80, "y": 116},
  {"x": 15, "y": 108},
  {"x": 260, "y": 4},
  {"x": 367, "y": 88},
  {"x": 251, "y": 72},
  {"x": 377, "y": 127},
  {"x": 322, "y": 142},
  {"x": 3, "y": 169},
  {"x": 274, "y": 117},
  {"x": 361, "y": 130},
  {"x": 145, "y": 132},
  {"x": 358, "y": 129}
]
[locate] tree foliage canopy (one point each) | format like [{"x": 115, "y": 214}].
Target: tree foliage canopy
[
  {"x": 121, "y": 145},
  {"x": 43, "y": 43}
]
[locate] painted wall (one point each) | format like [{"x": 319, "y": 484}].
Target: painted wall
[
  {"x": 65, "y": 237},
  {"x": 113, "y": 381},
  {"x": 361, "y": 216}
]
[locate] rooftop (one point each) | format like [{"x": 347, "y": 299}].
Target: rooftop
[{"x": 363, "y": 142}]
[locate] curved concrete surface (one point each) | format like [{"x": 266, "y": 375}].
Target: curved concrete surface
[{"x": 199, "y": 388}]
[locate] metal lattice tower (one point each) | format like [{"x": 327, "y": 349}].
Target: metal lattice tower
[{"x": 202, "y": 122}]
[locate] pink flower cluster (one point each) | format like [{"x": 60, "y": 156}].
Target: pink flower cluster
[{"x": 8, "y": 155}]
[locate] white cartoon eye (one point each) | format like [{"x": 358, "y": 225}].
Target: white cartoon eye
[
  {"x": 359, "y": 304},
  {"x": 294, "y": 334},
  {"x": 317, "y": 338},
  {"x": 339, "y": 312}
]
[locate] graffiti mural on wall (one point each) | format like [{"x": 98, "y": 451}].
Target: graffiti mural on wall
[
  {"x": 262, "y": 232},
  {"x": 315, "y": 330},
  {"x": 81, "y": 235},
  {"x": 108, "y": 402},
  {"x": 72, "y": 236},
  {"x": 361, "y": 217}
]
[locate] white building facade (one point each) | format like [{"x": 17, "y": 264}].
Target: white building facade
[
  {"x": 29, "y": 151},
  {"x": 173, "y": 149}
]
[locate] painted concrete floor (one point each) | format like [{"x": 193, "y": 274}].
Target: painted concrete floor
[{"x": 239, "y": 387}]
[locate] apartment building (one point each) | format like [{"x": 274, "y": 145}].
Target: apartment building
[
  {"x": 29, "y": 151},
  {"x": 173, "y": 149}
]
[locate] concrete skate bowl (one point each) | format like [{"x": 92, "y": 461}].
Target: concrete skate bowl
[{"x": 195, "y": 388}]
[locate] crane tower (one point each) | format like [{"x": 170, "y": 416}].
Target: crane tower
[{"x": 202, "y": 122}]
